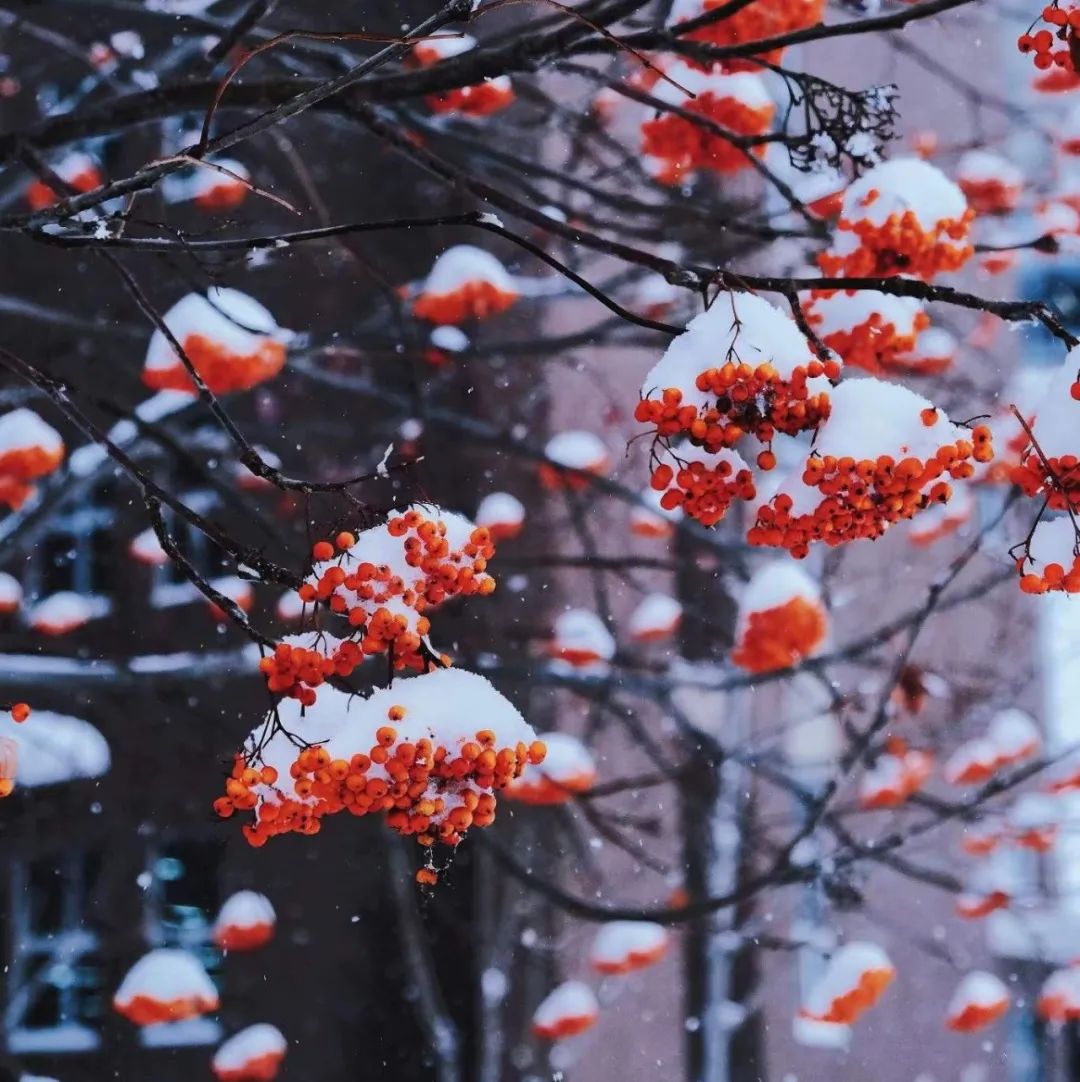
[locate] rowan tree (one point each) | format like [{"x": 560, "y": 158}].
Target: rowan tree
[{"x": 621, "y": 488}]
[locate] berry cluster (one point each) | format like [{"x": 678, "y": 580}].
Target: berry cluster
[
  {"x": 426, "y": 789},
  {"x": 705, "y": 490},
  {"x": 863, "y": 498},
  {"x": 900, "y": 244},
  {"x": 483, "y": 99},
  {"x": 382, "y": 584},
  {"x": 756, "y": 22},
  {"x": 749, "y": 401},
  {"x": 779, "y": 637},
  {"x": 682, "y": 146},
  {"x": 1052, "y": 45}
]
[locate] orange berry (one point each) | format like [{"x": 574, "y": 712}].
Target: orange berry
[
  {"x": 322, "y": 550},
  {"x": 20, "y": 712},
  {"x": 345, "y": 540}
]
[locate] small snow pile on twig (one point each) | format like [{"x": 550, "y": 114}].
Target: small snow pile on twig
[
  {"x": 654, "y": 519},
  {"x": 897, "y": 774},
  {"x": 1011, "y": 737},
  {"x": 1034, "y": 821},
  {"x": 479, "y": 100},
  {"x": 219, "y": 189},
  {"x": 146, "y": 548},
  {"x": 1059, "y": 997}
]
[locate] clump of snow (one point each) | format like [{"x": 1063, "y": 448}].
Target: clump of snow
[
  {"x": 656, "y": 617},
  {"x": 568, "y": 768},
  {"x": 441, "y": 47},
  {"x": 449, "y": 338},
  {"x": 902, "y": 185},
  {"x": 65, "y": 611},
  {"x": 245, "y": 921},
  {"x": 576, "y": 450},
  {"x": 501, "y": 513},
  {"x": 853, "y": 981},
  {"x": 253, "y": 1053},
  {"x": 1059, "y": 997},
  {"x": 231, "y": 319},
  {"x": 973, "y": 763},
  {"x": 231, "y": 340},
  {"x": 165, "y": 985},
  {"x": 625, "y": 945},
  {"x": 979, "y": 999},
  {"x": 653, "y": 520},
  {"x": 1015, "y": 734},
  {"x": 11, "y": 593},
  {"x": 567, "y": 1010},
  {"x": 290, "y": 606},
  {"x": 580, "y": 637},
  {"x": 55, "y": 748},
  {"x": 982, "y": 165},
  {"x": 737, "y": 327},
  {"x": 146, "y": 548},
  {"x": 22, "y": 429},
  {"x": 845, "y": 309},
  {"x": 462, "y": 265},
  {"x": 236, "y": 589},
  {"x": 742, "y": 86},
  {"x": 872, "y": 417},
  {"x": 772, "y": 585}
]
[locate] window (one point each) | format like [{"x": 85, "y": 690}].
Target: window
[
  {"x": 76, "y": 554},
  {"x": 1059, "y": 286},
  {"x": 56, "y": 999}
]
